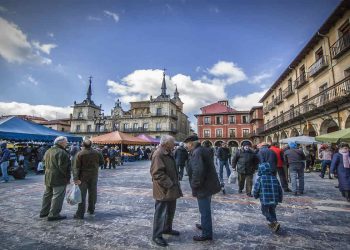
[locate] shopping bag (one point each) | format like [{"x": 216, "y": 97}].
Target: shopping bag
[
  {"x": 74, "y": 195},
  {"x": 255, "y": 178},
  {"x": 233, "y": 177}
]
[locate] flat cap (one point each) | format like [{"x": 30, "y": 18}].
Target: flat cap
[{"x": 191, "y": 138}]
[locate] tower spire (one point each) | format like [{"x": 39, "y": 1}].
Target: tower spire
[
  {"x": 89, "y": 92},
  {"x": 176, "y": 93},
  {"x": 164, "y": 84}
]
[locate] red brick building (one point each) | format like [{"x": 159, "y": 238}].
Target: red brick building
[{"x": 218, "y": 122}]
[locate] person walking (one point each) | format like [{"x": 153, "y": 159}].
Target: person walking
[
  {"x": 296, "y": 160},
  {"x": 325, "y": 156},
  {"x": 105, "y": 157},
  {"x": 341, "y": 165},
  {"x": 269, "y": 190},
  {"x": 266, "y": 155},
  {"x": 57, "y": 176},
  {"x": 112, "y": 154},
  {"x": 4, "y": 161},
  {"x": 245, "y": 161},
  {"x": 224, "y": 156},
  {"x": 181, "y": 157},
  {"x": 166, "y": 189},
  {"x": 85, "y": 174},
  {"x": 204, "y": 183},
  {"x": 281, "y": 167}
]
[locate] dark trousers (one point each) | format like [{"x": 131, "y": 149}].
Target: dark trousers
[
  {"x": 87, "y": 186},
  {"x": 163, "y": 217},
  {"x": 269, "y": 211},
  {"x": 112, "y": 162},
  {"x": 221, "y": 172},
  {"x": 242, "y": 178},
  {"x": 53, "y": 201},
  {"x": 204, "y": 205},
  {"x": 283, "y": 177},
  {"x": 181, "y": 171},
  {"x": 105, "y": 161},
  {"x": 324, "y": 165}
]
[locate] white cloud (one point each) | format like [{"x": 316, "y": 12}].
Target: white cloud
[
  {"x": 259, "y": 78},
  {"x": 93, "y": 18},
  {"x": 113, "y": 15},
  {"x": 246, "y": 102},
  {"x": 141, "y": 84},
  {"x": 14, "y": 46},
  {"x": 47, "y": 111},
  {"x": 227, "y": 73},
  {"x": 32, "y": 80},
  {"x": 80, "y": 77},
  {"x": 51, "y": 34},
  {"x": 3, "y": 9},
  {"x": 46, "y": 48}
]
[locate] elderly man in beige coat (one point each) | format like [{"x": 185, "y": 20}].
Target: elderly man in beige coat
[{"x": 166, "y": 189}]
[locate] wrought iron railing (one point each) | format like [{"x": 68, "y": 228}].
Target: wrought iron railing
[
  {"x": 300, "y": 81},
  {"x": 318, "y": 66},
  {"x": 288, "y": 92},
  {"x": 340, "y": 46}
]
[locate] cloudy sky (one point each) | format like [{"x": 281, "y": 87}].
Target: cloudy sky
[{"x": 212, "y": 50}]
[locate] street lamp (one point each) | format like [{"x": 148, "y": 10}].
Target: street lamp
[{"x": 99, "y": 121}]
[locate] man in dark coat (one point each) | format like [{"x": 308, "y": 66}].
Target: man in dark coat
[
  {"x": 341, "y": 166},
  {"x": 224, "y": 156},
  {"x": 166, "y": 189},
  {"x": 5, "y": 161},
  {"x": 181, "y": 157},
  {"x": 85, "y": 174},
  {"x": 266, "y": 155},
  {"x": 105, "y": 157},
  {"x": 245, "y": 161},
  {"x": 57, "y": 176},
  {"x": 204, "y": 183}
]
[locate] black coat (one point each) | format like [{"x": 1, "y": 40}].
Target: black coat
[
  {"x": 224, "y": 154},
  {"x": 246, "y": 162},
  {"x": 201, "y": 171},
  {"x": 181, "y": 156}
]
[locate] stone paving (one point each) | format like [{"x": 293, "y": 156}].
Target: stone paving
[{"x": 320, "y": 219}]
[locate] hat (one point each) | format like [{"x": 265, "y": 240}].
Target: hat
[
  {"x": 246, "y": 143},
  {"x": 191, "y": 138}
]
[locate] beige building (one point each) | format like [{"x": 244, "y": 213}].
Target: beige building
[
  {"x": 312, "y": 96},
  {"x": 155, "y": 117},
  {"x": 62, "y": 125}
]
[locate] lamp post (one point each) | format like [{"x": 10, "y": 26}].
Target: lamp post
[{"x": 99, "y": 121}]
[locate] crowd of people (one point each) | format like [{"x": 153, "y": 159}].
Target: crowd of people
[{"x": 257, "y": 169}]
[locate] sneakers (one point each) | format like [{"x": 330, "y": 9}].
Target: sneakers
[
  {"x": 275, "y": 226},
  {"x": 322, "y": 176}
]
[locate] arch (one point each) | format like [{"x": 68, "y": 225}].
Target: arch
[
  {"x": 347, "y": 123},
  {"x": 328, "y": 126},
  {"x": 294, "y": 132},
  {"x": 309, "y": 130},
  {"x": 284, "y": 135},
  {"x": 218, "y": 143},
  {"x": 268, "y": 139},
  {"x": 207, "y": 141},
  {"x": 233, "y": 143},
  {"x": 275, "y": 138},
  {"x": 247, "y": 141}
]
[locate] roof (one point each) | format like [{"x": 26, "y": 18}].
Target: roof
[
  {"x": 52, "y": 122},
  {"x": 327, "y": 25},
  {"x": 216, "y": 108},
  {"x": 117, "y": 137},
  {"x": 26, "y": 117},
  {"x": 17, "y": 129}
]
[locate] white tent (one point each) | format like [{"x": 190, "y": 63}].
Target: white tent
[{"x": 300, "y": 140}]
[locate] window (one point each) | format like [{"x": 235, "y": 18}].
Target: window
[
  {"x": 126, "y": 126},
  {"x": 244, "y": 119},
  {"x": 136, "y": 125},
  {"x": 80, "y": 115},
  {"x": 232, "y": 119},
  {"x": 302, "y": 70},
  {"x": 245, "y": 132},
  {"x": 232, "y": 133},
  {"x": 319, "y": 54},
  {"x": 77, "y": 128},
  {"x": 290, "y": 83},
  {"x": 62, "y": 129},
  {"x": 323, "y": 87},
  {"x": 88, "y": 129},
  {"x": 145, "y": 126},
  {"x": 280, "y": 92},
  {"x": 172, "y": 112},
  {"x": 219, "y": 120},
  {"x": 159, "y": 111},
  {"x": 207, "y": 120},
  {"x": 344, "y": 29},
  {"x": 158, "y": 126},
  {"x": 219, "y": 132},
  {"x": 347, "y": 72},
  {"x": 206, "y": 133},
  {"x": 304, "y": 98}
]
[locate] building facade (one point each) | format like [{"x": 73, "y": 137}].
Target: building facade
[
  {"x": 62, "y": 125},
  {"x": 218, "y": 123},
  {"x": 312, "y": 96},
  {"x": 155, "y": 117}
]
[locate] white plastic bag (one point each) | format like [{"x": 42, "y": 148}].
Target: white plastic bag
[
  {"x": 233, "y": 177},
  {"x": 255, "y": 178},
  {"x": 74, "y": 195}
]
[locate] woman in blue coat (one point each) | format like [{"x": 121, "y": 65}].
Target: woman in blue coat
[{"x": 341, "y": 165}]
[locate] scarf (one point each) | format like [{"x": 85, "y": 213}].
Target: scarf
[{"x": 346, "y": 157}]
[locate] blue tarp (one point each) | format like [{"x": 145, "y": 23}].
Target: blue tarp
[{"x": 16, "y": 129}]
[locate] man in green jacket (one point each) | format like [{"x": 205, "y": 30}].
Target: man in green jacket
[
  {"x": 85, "y": 174},
  {"x": 57, "y": 176}
]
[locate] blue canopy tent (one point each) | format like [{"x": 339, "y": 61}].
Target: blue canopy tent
[{"x": 16, "y": 129}]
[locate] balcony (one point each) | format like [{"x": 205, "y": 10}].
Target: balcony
[
  {"x": 301, "y": 81},
  {"x": 266, "y": 110},
  {"x": 232, "y": 135},
  {"x": 288, "y": 92},
  {"x": 278, "y": 99},
  {"x": 246, "y": 135},
  {"x": 340, "y": 46},
  {"x": 329, "y": 98},
  {"x": 218, "y": 136},
  {"x": 318, "y": 66},
  {"x": 271, "y": 106},
  {"x": 165, "y": 115},
  {"x": 134, "y": 130}
]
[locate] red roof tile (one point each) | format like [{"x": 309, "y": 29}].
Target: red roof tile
[{"x": 216, "y": 108}]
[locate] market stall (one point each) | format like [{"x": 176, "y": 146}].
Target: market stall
[
  {"x": 335, "y": 137},
  {"x": 148, "y": 138}
]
